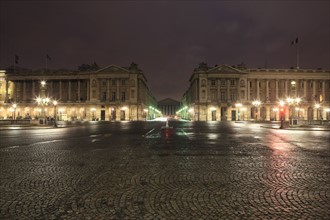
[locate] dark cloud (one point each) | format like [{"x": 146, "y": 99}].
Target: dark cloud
[{"x": 166, "y": 38}]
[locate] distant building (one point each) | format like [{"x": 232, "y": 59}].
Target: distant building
[
  {"x": 229, "y": 93},
  {"x": 111, "y": 93},
  {"x": 168, "y": 107}
]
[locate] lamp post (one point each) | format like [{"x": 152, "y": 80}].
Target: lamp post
[
  {"x": 238, "y": 106},
  {"x": 14, "y": 107},
  {"x": 275, "y": 110},
  {"x": 43, "y": 102},
  {"x": 256, "y": 104},
  {"x": 282, "y": 112},
  {"x": 317, "y": 106},
  {"x": 243, "y": 111},
  {"x": 55, "y": 113}
]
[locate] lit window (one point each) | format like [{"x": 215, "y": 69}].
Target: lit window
[{"x": 213, "y": 82}]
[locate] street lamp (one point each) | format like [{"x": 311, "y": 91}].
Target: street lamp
[
  {"x": 256, "y": 104},
  {"x": 317, "y": 106},
  {"x": 327, "y": 110},
  {"x": 93, "y": 113},
  {"x": 43, "y": 102},
  {"x": 238, "y": 106},
  {"x": 282, "y": 112},
  {"x": 55, "y": 113},
  {"x": 275, "y": 110},
  {"x": 14, "y": 107}
]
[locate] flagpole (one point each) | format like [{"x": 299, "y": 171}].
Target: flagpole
[
  {"x": 297, "y": 56},
  {"x": 46, "y": 63}
]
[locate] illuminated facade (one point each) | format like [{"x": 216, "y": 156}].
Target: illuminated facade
[
  {"x": 113, "y": 93},
  {"x": 228, "y": 93}
]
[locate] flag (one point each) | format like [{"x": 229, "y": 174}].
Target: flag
[
  {"x": 16, "y": 59},
  {"x": 48, "y": 57},
  {"x": 294, "y": 41}
]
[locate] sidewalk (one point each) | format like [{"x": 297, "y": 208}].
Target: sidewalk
[
  {"x": 299, "y": 127},
  {"x": 60, "y": 124}
]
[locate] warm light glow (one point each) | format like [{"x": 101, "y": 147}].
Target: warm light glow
[
  {"x": 55, "y": 102},
  {"x": 124, "y": 108},
  {"x": 317, "y": 105},
  {"x": 43, "y": 83},
  {"x": 275, "y": 109},
  {"x": 293, "y": 82},
  {"x": 14, "y": 105},
  {"x": 145, "y": 110},
  {"x": 61, "y": 110},
  {"x": 282, "y": 103},
  {"x": 93, "y": 109},
  {"x": 243, "y": 109},
  {"x": 212, "y": 108},
  {"x": 191, "y": 110},
  {"x": 238, "y": 105},
  {"x": 256, "y": 103}
]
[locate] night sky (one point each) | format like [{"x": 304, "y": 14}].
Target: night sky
[{"x": 167, "y": 39}]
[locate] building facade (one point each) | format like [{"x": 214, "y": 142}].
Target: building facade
[
  {"x": 112, "y": 93},
  {"x": 168, "y": 107},
  {"x": 228, "y": 93}
]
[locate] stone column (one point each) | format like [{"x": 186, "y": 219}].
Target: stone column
[
  {"x": 7, "y": 86},
  {"x": 33, "y": 89},
  {"x": 323, "y": 91},
  {"x": 218, "y": 87},
  {"x": 276, "y": 89},
  {"x": 258, "y": 90},
  {"x": 267, "y": 91},
  {"x": 228, "y": 90},
  {"x": 69, "y": 91},
  {"x": 52, "y": 89},
  {"x": 60, "y": 89},
  {"x": 314, "y": 90},
  {"x": 24, "y": 90},
  {"x": 286, "y": 87},
  {"x": 248, "y": 90},
  {"x": 305, "y": 88},
  {"x": 108, "y": 89},
  {"x": 78, "y": 90},
  {"x": 117, "y": 83},
  {"x": 297, "y": 88},
  {"x": 268, "y": 109},
  {"x": 88, "y": 90}
]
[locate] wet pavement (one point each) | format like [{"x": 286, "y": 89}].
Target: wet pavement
[{"x": 137, "y": 170}]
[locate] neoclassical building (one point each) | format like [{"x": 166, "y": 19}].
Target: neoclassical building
[
  {"x": 228, "y": 93},
  {"x": 111, "y": 93}
]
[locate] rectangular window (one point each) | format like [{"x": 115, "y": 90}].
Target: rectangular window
[
  {"x": 232, "y": 82},
  {"x": 123, "y": 82},
  {"x": 104, "y": 96},
  {"x": 113, "y": 96},
  {"x": 213, "y": 95},
  {"x": 223, "y": 96},
  {"x": 104, "y": 83},
  {"x": 113, "y": 82},
  {"x": 123, "y": 96},
  {"x": 223, "y": 83},
  {"x": 213, "y": 82},
  {"x": 232, "y": 96}
]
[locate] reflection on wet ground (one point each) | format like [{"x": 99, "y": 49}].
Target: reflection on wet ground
[{"x": 139, "y": 170}]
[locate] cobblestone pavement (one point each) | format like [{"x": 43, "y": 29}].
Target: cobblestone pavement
[{"x": 136, "y": 170}]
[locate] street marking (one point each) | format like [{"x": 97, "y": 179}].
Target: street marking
[{"x": 148, "y": 132}]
